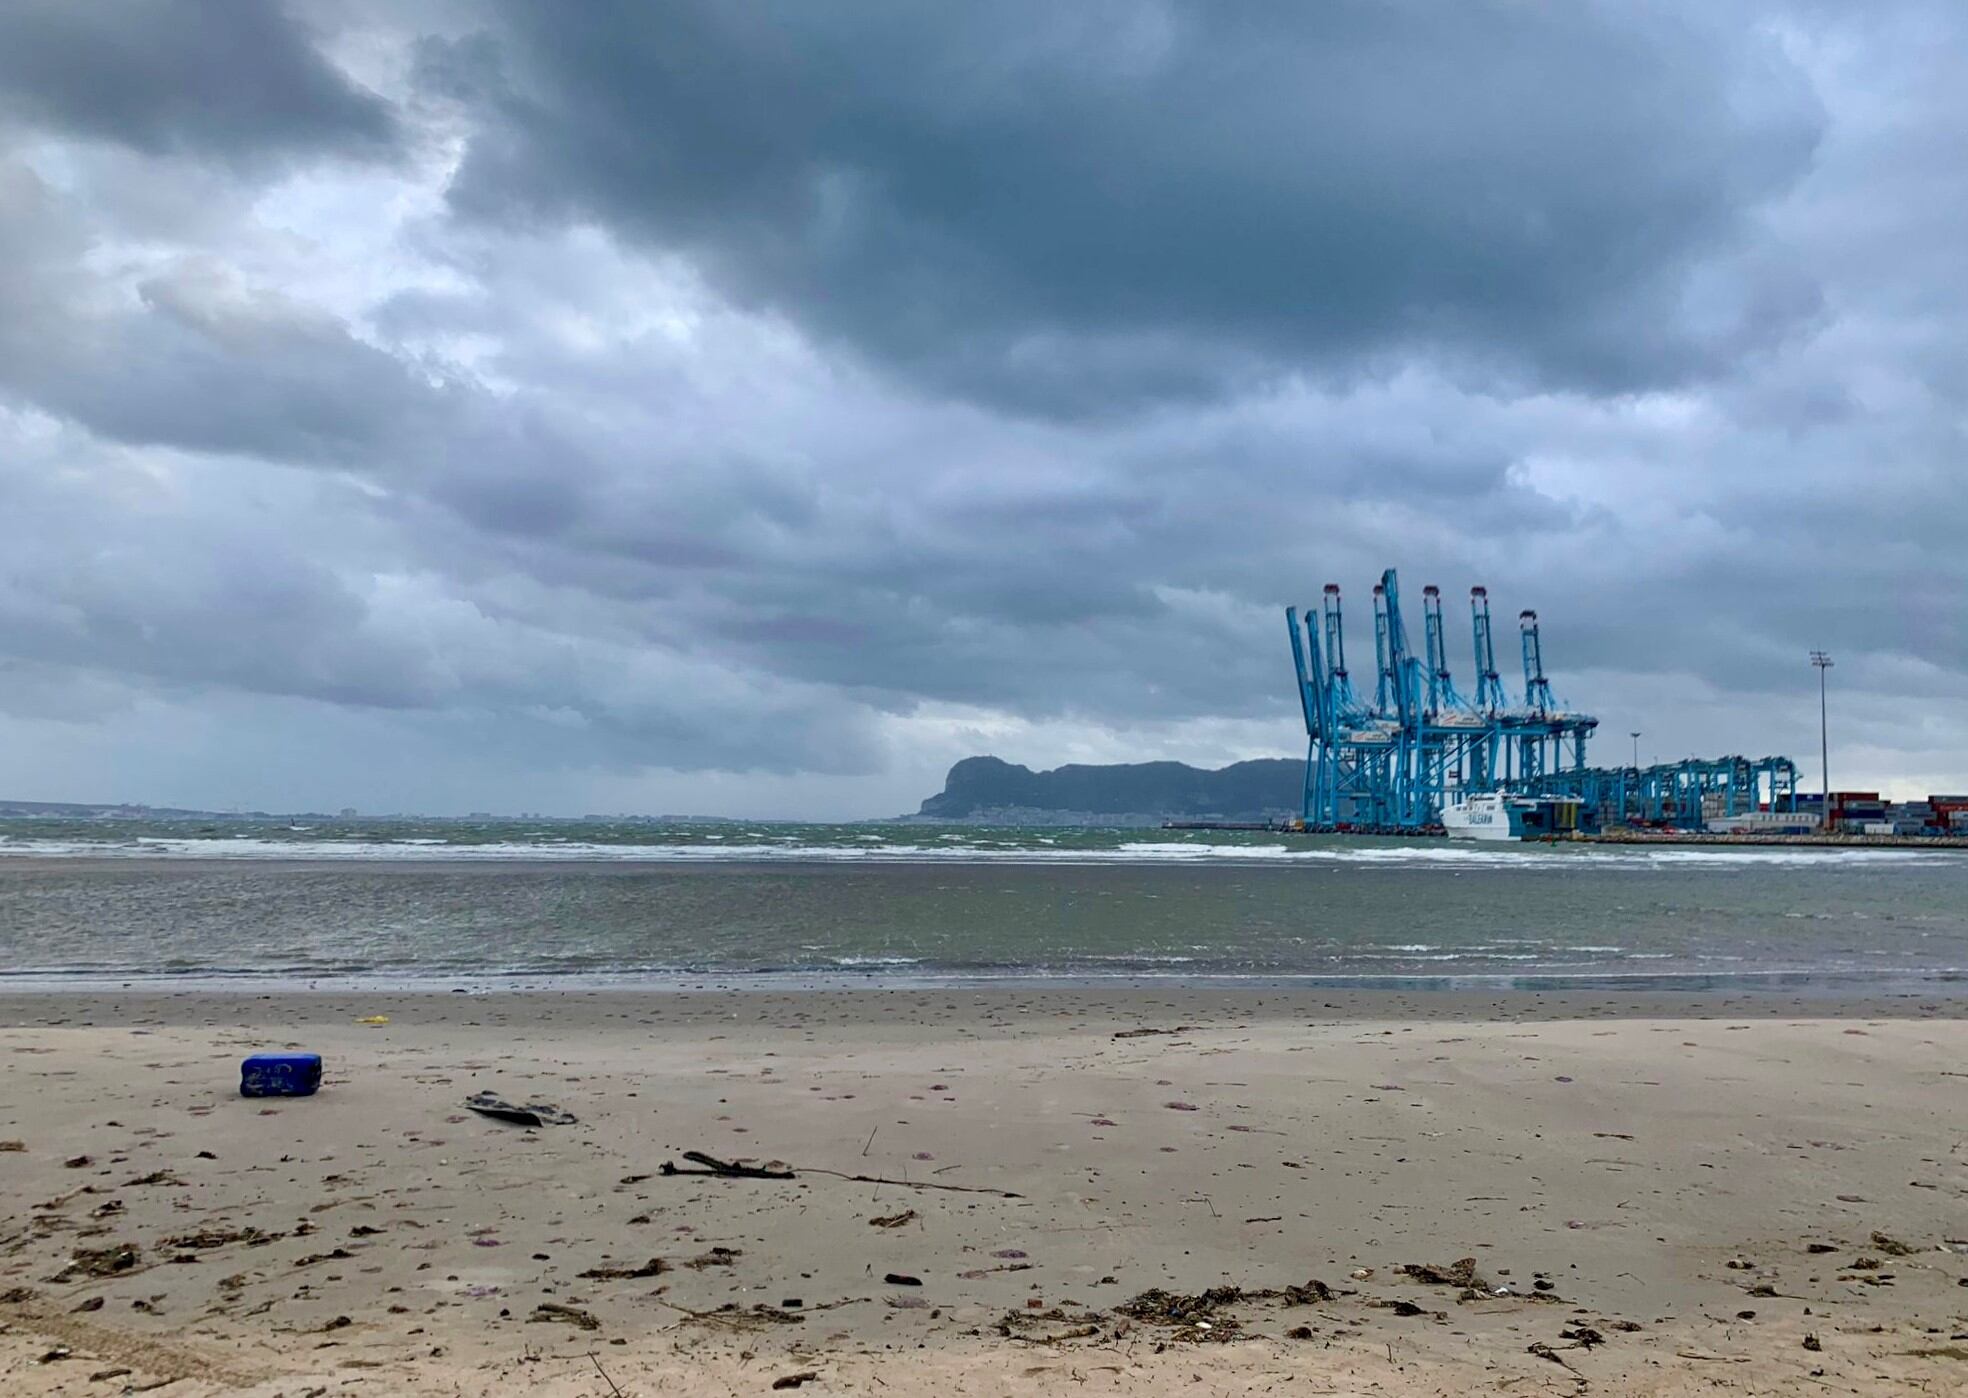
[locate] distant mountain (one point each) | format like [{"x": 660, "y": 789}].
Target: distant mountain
[{"x": 988, "y": 788}]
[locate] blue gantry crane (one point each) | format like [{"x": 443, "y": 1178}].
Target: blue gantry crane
[
  {"x": 1687, "y": 794},
  {"x": 1393, "y": 764}
]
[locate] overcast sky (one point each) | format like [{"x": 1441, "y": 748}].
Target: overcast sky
[{"x": 754, "y": 408}]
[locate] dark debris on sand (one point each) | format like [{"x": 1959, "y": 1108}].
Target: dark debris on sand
[
  {"x": 716, "y": 1257},
  {"x": 1024, "y": 1325},
  {"x": 552, "y": 1312},
  {"x": 102, "y": 1262},
  {"x": 1459, "y": 1273},
  {"x": 1204, "y": 1317},
  {"x": 732, "y": 1316},
  {"x": 654, "y": 1267},
  {"x": 205, "y": 1239},
  {"x": 1222, "y": 1313}
]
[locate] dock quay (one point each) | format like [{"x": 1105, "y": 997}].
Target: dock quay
[
  {"x": 1739, "y": 839},
  {"x": 1837, "y": 840}
]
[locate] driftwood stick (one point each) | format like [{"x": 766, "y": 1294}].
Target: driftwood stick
[
  {"x": 714, "y": 1166},
  {"x": 913, "y": 1184},
  {"x": 729, "y": 1170},
  {"x": 613, "y": 1390}
]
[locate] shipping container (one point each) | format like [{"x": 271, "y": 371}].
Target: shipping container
[{"x": 1764, "y": 823}]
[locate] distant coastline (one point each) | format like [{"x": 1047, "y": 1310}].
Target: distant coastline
[
  {"x": 991, "y": 791},
  {"x": 132, "y": 811},
  {"x": 978, "y": 791}
]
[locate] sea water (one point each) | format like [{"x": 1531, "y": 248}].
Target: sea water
[{"x": 600, "y": 902}]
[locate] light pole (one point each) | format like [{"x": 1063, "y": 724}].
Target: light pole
[
  {"x": 1636, "y": 800},
  {"x": 1823, "y": 662}
]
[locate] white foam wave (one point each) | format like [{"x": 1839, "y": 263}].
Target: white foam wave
[
  {"x": 1138, "y": 958},
  {"x": 1471, "y": 955},
  {"x": 1312, "y": 852}
]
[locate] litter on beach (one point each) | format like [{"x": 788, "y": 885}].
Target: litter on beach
[
  {"x": 532, "y": 1114},
  {"x": 280, "y": 1075}
]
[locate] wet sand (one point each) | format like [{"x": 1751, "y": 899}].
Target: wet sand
[{"x": 1763, "y": 1193}]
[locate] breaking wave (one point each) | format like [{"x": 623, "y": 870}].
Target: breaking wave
[{"x": 863, "y": 848}]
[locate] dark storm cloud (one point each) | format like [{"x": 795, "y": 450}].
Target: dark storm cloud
[
  {"x": 1067, "y": 206},
  {"x": 237, "y": 80},
  {"x": 842, "y": 389}
]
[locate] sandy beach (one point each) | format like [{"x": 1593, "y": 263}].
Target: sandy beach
[{"x": 991, "y": 1192}]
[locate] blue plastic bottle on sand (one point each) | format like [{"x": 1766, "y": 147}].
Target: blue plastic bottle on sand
[{"x": 280, "y": 1075}]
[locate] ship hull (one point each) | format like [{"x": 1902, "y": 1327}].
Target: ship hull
[{"x": 1481, "y": 818}]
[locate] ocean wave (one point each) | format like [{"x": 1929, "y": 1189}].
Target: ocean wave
[
  {"x": 1439, "y": 956},
  {"x": 947, "y": 850},
  {"x": 1830, "y": 981},
  {"x": 1140, "y": 958}
]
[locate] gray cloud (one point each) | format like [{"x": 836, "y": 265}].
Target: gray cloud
[
  {"x": 1068, "y": 206},
  {"x": 188, "y": 592},
  {"x": 702, "y": 407},
  {"x": 235, "y": 80},
  {"x": 185, "y": 354}
]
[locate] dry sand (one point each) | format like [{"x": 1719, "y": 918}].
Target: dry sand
[{"x": 1754, "y": 1196}]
